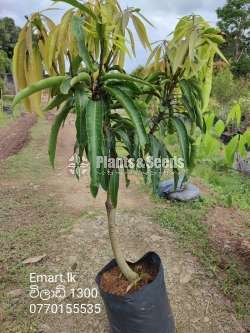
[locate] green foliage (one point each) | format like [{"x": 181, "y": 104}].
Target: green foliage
[
  {"x": 182, "y": 69},
  {"x": 94, "y": 124},
  {"x": 5, "y": 62},
  {"x": 58, "y": 122},
  {"x": 133, "y": 113},
  {"x": 226, "y": 90},
  {"x": 234, "y": 21},
  {"x": 8, "y": 36},
  {"x": 223, "y": 88},
  {"x": 78, "y": 32},
  {"x": 211, "y": 146},
  {"x": 114, "y": 187},
  {"x": 183, "y": 139}
]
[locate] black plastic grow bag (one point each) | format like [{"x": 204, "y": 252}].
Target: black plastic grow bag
[{"x": 144, "y": 311}]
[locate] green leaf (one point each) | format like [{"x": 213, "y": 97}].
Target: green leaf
[
  {"x": 242, "y": 146},
  {"x": 155, "y": 148},
  {"x": 56, "y": 102},
  {"x": 59, "y": 120},
  {"x": 247, "y": 137},
  {"x": 235, "y": 115},
  {"x": 207, "y": 84},
  {"x": 132, "y": 111},
  {"x": 81, "y": 100},
  {"x": 209, "y": 121},
  {"x": 80, "y": 6},
  {"x": 65, "y": 86},
  {"x": 219, "y": 127},
  {"x": 183, "y": 139},
  {"x": 38, "y": 86},
  {"x": 126, "y": 77},
  {"x": 123, "y": 136},
  {"x": 210, "y": 146},
  {"x": 231, "y": 149},
  {"x": 220, "y": 54},
  {"x": 129, "y": 85},
  {"x": 114, "y": 187},
  {"x": 77, "y": 29},
  {"x": 81, "y": 77},
  {"x": 94, "y": 119}
]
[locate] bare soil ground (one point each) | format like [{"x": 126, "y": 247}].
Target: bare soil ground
[
  {"x": 228, "y": 230},
  {"x": 14, "y": 137},
  {"x": 84, "y": 248}
]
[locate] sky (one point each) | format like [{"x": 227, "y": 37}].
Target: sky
[{"x": 164, "y": 15}]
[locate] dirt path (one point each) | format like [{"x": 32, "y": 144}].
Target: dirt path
[
  {"x": 14, "y": 137},
  {"x": 197, "y": 303}
]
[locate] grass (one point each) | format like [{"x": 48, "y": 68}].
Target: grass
[
  {"x": 32, "y": 163},
  {"x": 31, "y": 223},
  {"x": 7, "y": 119},
  {"x": 185, "y": 220},
  {"x": 232, "y": 188}
]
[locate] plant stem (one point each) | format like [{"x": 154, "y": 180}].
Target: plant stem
[{"x": 129, "y": 274}]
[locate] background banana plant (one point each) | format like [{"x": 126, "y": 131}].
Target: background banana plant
[{"x": 83, "y": 59}]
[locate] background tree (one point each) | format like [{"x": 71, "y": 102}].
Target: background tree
[
  {"x": 234, "y": 21},
  {"x": 5, "y": 63},
  {"x": 8, "y": 35}
]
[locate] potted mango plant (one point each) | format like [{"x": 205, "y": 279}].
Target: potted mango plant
[{"x": 83, "y": 58}]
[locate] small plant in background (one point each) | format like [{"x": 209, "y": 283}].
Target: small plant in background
[
  {"x": 226, "y": 90},
  {"x": 182, "y": 70},
  {"x": 211, "y": 144}
]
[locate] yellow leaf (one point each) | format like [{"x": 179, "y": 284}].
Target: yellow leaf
[
  {"x": 51, "y": 25},
  {"x": 64, "y": 31},
  {"x": 52, "y": 46},
  {"x": 19, "y": 59},
  {"x": 132, "y": 41},
  {"x": 35, "y": 73},
  {"x": 141, "y": 31},
  {"x": 179, "y": 55},
  {"x": 29, "y": 38}
]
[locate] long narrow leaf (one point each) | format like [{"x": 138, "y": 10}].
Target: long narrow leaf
[
  {"x": 183, "y": 139},
  {"x": 81, "y": 100},
  {"x": 36, "y": 87},
  {"x": 80, "y": 6},
  {"x": 114, "y": 187},
  {"x": 94, "y": 119},
  {"x": 56, "y": 102},
  {"x": 132, "y": 111},
  {"x": 59, "y": 120},
  {"x": 77, "y": 29}
]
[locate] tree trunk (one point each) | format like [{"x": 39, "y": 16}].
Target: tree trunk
[{"x": 129, "y": 274}]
